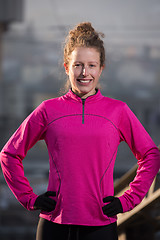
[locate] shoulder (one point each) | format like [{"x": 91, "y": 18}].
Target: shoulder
[
  {"x": 53, "y": 100},
  {"x": 51, "y": 107},
  {"x": 112, "y": 102}
]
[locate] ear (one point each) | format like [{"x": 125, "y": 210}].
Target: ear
[
  {"x": 101, "y": 69},
  {"x": 66, "y": 68}
]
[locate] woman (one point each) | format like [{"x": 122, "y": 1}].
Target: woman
[{"x": 82, "y": 130}]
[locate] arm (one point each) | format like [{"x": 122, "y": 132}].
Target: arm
[
  {"x": 147, "y": 154},
  {"x": 31, "y": 130}
]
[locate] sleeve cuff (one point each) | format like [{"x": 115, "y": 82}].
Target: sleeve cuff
[
  {"x": 31, "y": 203},
  {"x": 125, "y": 204}
]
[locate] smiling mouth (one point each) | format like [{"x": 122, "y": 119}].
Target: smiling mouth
[{"x": 84, "y": 80}]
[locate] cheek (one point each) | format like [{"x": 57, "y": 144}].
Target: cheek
[
  {"x": 96, "y": 73},
  {"x": 75, "y": 73}
]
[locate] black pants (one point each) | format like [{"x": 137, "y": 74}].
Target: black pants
[{"x": 47, "y": 230}]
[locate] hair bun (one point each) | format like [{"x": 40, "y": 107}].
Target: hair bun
[{"x": 85, "y": 27}]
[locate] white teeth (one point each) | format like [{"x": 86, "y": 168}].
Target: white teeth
[{"x": 84, "y": 81}]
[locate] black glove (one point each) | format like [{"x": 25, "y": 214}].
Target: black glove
[
  {"x": 113, "y": 208},
  {"x": 43, "y": 202}
]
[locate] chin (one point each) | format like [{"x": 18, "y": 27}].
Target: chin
[{"x": 85, "y": 89}]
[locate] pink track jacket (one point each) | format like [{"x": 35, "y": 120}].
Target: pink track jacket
[{"x": 82, "y": 137}]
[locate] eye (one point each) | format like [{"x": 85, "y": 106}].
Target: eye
[
  {"x": 77, "y": 65},
  {"x": 92, "y": 65}
]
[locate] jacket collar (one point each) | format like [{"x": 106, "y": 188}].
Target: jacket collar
[{"x": 97, "y": 96}]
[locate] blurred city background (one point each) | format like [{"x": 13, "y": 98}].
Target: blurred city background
[{"x": 32, "y": 34}]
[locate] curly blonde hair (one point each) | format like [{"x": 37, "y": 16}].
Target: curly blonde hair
[{"x": 84, "y": 35}]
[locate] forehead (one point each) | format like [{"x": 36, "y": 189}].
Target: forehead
[{"x": 85, "y": 54}]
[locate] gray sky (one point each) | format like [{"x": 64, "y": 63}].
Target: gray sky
[
  {"x": 119, "y": 19},
  {"x": 102, "y": 12}
]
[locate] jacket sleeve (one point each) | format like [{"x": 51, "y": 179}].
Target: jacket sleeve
[
  {"x": 146, "y": 153},
  {"x": 30, "y": 131}
]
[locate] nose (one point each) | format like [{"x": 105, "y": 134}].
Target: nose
[{"x": 85, "y": 71}]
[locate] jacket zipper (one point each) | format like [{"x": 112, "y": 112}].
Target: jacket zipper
[{"x": 83, "y": 102}]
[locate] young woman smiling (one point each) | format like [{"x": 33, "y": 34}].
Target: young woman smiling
[{"x": 82, "y": 130}]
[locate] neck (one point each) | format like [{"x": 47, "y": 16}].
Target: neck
[{"x": 85, "y": 95}]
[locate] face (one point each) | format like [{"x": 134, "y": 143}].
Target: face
[{"x": 84, "y": 70}]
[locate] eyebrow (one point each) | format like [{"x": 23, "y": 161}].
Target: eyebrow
[
  {"x": 88, "y": 62},
  {"x": 93, "y": 62}
]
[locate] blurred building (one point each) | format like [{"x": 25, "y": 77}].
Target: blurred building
[
  {"x": 12, "y": 221},
  {"x": 9, "y": 12}
]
